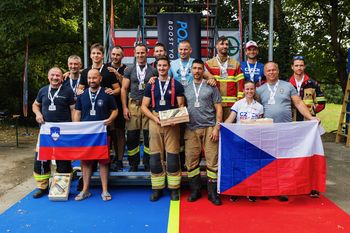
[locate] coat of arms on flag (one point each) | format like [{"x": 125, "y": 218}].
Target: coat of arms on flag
[
  {"x": 271, "y": 159},
  {"x": 73, "y": 141}
]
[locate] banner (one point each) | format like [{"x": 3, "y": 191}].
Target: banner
[
  {"x": 176, "y": 27},
  {"x": 271, "y": 159},
  {"x": 85, "y": 140}
]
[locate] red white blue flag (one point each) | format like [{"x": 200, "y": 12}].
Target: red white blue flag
[
  {"x": 85, "y": 140},
  {"x": 271, "y": 159}
]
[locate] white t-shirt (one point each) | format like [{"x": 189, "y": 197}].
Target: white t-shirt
[{"x": 246, "y": 111}]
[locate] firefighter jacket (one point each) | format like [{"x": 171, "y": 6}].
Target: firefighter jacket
[
  {"x": 231, "y": 87},
  {"x": 311, "y": 95}
]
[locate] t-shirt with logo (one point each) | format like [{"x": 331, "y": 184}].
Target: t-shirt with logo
[
  {"x": 63, "y": 101},
  {"x": 104, "y": 104},
  {"x": 175, "y": 70},
  {"x": 247, "y": 111},
  {"x": 258, "y": 74}
]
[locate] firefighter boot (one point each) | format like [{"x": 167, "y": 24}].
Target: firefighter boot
[
  {"x": 156, "y": 194},
  {"x": 212, "y": 192},
  {"x": 195, "y": 187},
  {"x": 145, "y": 161},
  {"x": 134, "y": 163},
  {"x": 174, "y": 194},
  {"x": 40, "y": 193}
]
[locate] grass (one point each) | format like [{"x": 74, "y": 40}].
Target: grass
[{"x": 330, "y": 117}]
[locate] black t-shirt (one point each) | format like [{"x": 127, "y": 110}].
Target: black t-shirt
[
  {"x": 104, "y": 104},
  {"x": 108, "y": 78},
  {"x": 179, "y": 91},
  {"x": 62, "y": 102}
]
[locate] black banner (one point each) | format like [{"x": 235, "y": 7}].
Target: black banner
[{"x": 176, "y": 27}]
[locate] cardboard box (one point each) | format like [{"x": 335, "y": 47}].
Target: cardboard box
[
  {"x": 174, "y": 116},
  {"x": 60, "y": 185}
]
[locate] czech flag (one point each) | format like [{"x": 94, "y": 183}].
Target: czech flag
[
  {"x": 85, "y": 140},
  {"x": 271, "y": 159}
]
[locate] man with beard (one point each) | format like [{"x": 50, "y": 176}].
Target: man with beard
[
  {"x": 228, "y": 74},
  {"x": 164, "y": 94},
  {"x": 118, "y": 135},
  {"x": 133, "y": 87},
  {"x": 252, "y": 69},
  {"x": 54, "y": 103},
  {"x": 95, "y": 105},
  {"x": 158, "y": 51}
]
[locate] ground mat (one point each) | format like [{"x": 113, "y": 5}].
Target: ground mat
[{"x": 300, "y": 214}]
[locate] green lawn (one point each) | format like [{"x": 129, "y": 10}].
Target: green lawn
[{"x": 330, "y": 117}]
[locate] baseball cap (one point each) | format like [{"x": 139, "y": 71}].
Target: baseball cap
[{"x": 251, "y": 44}]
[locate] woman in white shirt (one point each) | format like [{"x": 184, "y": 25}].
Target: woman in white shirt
[{"x": 246, "y": 109}]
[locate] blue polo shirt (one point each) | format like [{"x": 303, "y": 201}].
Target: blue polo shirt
[
  {"x": 104, "y": 104},
  {"x": 179, "y": 91},
  {"x": 63, "y": 101},
  {"x": 258, "y": 74},
  {"x": 175, "y": 70}
]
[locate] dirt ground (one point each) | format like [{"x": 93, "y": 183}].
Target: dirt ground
[{"x": 16, "y": 167}]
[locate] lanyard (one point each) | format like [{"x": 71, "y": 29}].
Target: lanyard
[
  {"x": 74, "y": 88},
  {"x": 251, "y": 72},
  {"x": 183, "y": 70},
  {"x": 273, "y": 93},
  {"x": 299, "y": 84},
  {"x": 165, "y": 87},
  {"x": 51, "y": 98},
  {"x": 141, "y": 74},
  {"x": 93, "y": 100},
  {"x": 99, "y": 69},
  {"x": 223, "y": 67},
  {"x": 250, "y": 109},
  {"x": 196, "y": 92}
]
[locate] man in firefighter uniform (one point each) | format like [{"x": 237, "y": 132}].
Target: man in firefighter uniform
[
  {"x": 164, "y": 94},
  {"x": 228, "y": 75},
  {"x": 205, "y": 110},
  {"x": 308, "y": 89},
  {"x": 118, "y": 136},
  {"x": 54, "y": 103},
  {"x": 133, "y": 86}
]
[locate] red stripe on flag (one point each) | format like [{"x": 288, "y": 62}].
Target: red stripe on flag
[
  {"x": 74, "y": 153},
  {"x": 285, "y": 177}
]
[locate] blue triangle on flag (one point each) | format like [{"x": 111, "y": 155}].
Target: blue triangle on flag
[{"x": 239, "y": 159}]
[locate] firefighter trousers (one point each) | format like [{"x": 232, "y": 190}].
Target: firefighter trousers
[{"x": 166, "y": 165}]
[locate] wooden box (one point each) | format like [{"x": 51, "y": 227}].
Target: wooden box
[
  {"x": 60, "y": 185},
  {"x": 174, "y": 116}
]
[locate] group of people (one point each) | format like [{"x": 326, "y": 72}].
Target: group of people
[{"x": 129, "y": 99}]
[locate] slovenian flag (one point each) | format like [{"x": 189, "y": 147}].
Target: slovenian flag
[
  {"x": 271, "y": 159},
  {"x": 85, "y": 140}
]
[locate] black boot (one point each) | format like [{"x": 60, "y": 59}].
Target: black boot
[
  {"x": 212, "y": 192},
  {"x": 40, "y": 193},
  {"x": 134, "y": 163},
  {"x": 174, "y": 194},
  {"x": 145, "y": 161},
  {"x": 156, "y": 194},
  {"x": 195, "y": 187}
]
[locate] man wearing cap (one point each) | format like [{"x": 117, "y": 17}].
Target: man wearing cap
[
  {"x": 252, "y": 69},
  {"x": 228, "y": 74},
  {"x": 277, "y": 97}
]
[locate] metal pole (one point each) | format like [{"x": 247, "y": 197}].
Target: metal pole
[
  {"x": 240, "y": 29},
  {"x": 271, "y": 31},
  {"x": 104, "y": 27},
  {"x": 250, "y": 23},
  {"x": 85, "y": 19}
]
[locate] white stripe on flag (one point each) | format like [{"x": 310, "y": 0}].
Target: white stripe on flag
[
  {"x": 83, "y": 127},
  {"x": 282, "y": 140}
]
